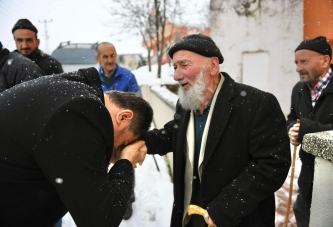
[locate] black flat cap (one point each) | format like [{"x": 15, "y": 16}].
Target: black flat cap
[
  {"x": 318, "y": 44},
  {"x": 197, "y": 43}
]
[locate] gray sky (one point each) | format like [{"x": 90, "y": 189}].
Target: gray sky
[{"x": 68, "y": 20}]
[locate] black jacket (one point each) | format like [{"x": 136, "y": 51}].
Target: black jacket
[
  {"x": 48, "y": 64},
  {"x": 247, "y": 156},
  {"x": 56, "y": 141},
  {"x": 15, "y": 69},
  {"x": 317, "y": 119}
]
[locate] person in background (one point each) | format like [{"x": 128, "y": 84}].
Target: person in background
[
  {"x": 58, "y": 135},
  {"x": 115, "y": 77},
  {"x": 230, "y": 145},
  {"x": 25, "y": 36},
  {"x": 27, "y": 43},
  {"x": 311, "y": 103},
  {"x": 15, "y": 69}
]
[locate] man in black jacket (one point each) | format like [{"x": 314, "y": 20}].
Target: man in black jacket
[
  {"x": 311, "y": 102},
  {"x": 25, "y": 36},
  {"x": 230, "y": 146},
  {"x": 15, "y": 69},
  {"x": 58, "y": 135}
]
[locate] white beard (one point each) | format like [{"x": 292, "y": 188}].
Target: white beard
[{"x": 194, "y": 97}]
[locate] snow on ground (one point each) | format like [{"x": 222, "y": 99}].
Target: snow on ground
[
  {"x": 144, "y": 77},
  {"x": 153, "y": 196},
  {"x": 282, "y": 195}
]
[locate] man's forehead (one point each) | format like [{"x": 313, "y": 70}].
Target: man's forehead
[
  {"x": 185, "y": 56},
  {"x": 107, "y": 49},
  {"x": 24, "y": 33},
  {"x": 307, "y": 53}
]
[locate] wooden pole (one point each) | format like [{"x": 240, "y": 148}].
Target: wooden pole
[{"x": 291, "y": 183}]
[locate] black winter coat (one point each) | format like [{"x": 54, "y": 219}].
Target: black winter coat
[
  {"x": 247, "y": 156},
  {"x": 56, "y": 141},
  {"x": 313, "y": 119},
  {"x": 48, "y": 64},
  {"x": 15, "y": 69}
]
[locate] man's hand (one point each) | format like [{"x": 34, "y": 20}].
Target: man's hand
[
  {"x": 134, "y": 152},
  {"x": 293, "y": 134},
  {"x": 208, "y": 220}
]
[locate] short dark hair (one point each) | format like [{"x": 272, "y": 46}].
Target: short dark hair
[{"x": 143, "y": 113}]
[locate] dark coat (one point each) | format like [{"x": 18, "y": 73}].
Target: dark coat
[
  {"x": 48, "y": 64},
  {"x": 317, "y": 119},
  {"x": 247, "y": 156},
  {"x": 56, "y": 141},
  {"x": 15, "y": 69}
]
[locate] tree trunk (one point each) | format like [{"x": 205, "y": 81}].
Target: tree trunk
[{"x": 149, "y": 60}]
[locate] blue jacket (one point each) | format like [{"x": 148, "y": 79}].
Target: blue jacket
[{"x": 123, "y": 80}]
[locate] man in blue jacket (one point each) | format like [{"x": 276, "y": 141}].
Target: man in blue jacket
[{"x": 113, "y": 76}]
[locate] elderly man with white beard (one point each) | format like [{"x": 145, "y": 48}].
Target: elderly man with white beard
[{"x": 230, "y": 145}]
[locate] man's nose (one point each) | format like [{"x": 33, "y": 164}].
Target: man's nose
[
  {"x": 177, "y": 75},
  {"x": 24, "y": 44}
]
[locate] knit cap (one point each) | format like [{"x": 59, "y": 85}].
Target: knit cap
[
  {"x": 197, "y": 43},
  {"x": 24, "y": 24},
  {"x": 318, "y": 44}
]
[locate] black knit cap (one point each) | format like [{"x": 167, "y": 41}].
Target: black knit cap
[
  {"x": 318, "y": 44},
  {"x": 24, "y": 24},
  {"x": 197, "y": 43}
]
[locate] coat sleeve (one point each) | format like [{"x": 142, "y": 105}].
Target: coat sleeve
[
  {"x": 269, "y": 149},
  {"x": 73, "y": 151},
  {"x": 159, "y": 141},
  {"x": 310, "y": 126},
  {"x": 293, "y": 115},
  {"x": 19, "y": 71}
]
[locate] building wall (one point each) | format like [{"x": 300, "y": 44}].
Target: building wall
[
  {"x": 257, "y": 39},
  {"x": 318, "y": 19}
]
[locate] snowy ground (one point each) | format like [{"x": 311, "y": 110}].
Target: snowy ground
[{"x": 153, "y": 196}]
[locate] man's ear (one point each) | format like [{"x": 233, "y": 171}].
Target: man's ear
[
  {"x": 97, "y": 59},
  {"x": 124, "y": 117},
  {"x": 214, "y": 64},
  {"x": 326, "y": 61}
]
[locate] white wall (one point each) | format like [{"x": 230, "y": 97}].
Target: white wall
[
  {"x": 322, "y": 195},
  {"x": 271, "y": 27},
  {"x": 163, "y": 111}
]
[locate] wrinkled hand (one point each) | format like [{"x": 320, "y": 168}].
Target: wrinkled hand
[
  {"x": 293, "y": 134},
  {"x": 208, "y": 220},
  {"x": 134, "y": 152}
]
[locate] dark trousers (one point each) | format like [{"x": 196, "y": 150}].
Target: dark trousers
[
  {"x": 302, "y": 207},
  {"x": 196, "y": 220}
]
